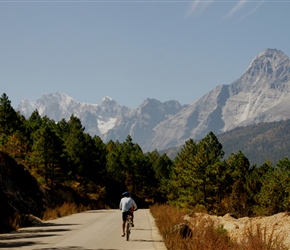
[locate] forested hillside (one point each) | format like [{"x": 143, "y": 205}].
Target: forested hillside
[
  {"x": 261, "y": 142},
  {"x": 68, "y": 165}
]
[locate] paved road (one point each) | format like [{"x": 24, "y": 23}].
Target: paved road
[{"x": 91, "y": 230}]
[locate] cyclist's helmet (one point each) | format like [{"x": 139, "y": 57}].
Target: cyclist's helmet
[{"x": 127, "y": 194}]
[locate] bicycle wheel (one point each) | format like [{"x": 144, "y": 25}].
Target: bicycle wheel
[{"x": 127, "y": 231}]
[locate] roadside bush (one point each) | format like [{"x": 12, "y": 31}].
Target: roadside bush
[{"x": 63, "y": 210}]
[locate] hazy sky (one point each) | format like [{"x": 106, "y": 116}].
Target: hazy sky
[{"x": 133, "y": 50}]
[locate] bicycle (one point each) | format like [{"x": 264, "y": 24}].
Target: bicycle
[{"x": 129, "y": 223}]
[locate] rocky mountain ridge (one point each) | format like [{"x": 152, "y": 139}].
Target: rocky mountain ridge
[{"x": 261, "y": 94}]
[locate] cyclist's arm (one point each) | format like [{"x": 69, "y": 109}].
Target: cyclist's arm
[{"x": 134, "y": 205}]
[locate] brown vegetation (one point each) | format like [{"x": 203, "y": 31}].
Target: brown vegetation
[
  {"x": 63, "y": 210},
  {"x": 25, "y": 202},
  {"x": 200, "y": 231}
]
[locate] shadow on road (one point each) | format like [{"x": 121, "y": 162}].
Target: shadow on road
[
  {"x": 142, "y": 240},
  {"x": 17, "y": 238},
  {"x": 53, "y": 248},
  {"x": 24, "y": 236},
  {"x": 142, "y": 229},
  {"x": 99, "y": 212},
  {"x": 49, "y": 224},
  {"x": 23, "y": 244},
  {"x": 15, "y": 244}
]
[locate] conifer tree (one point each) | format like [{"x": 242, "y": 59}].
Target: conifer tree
[
  {"x": 239, "y": 169},
  {"x": 194, "y": 180},
  {"x": 275, "y": 191},
  {"x": 47, "y": 153},
  {"x": 162, "y": 166},
  {"x": 10, "y": 120},
  {"x": 100, "y": 154},
  {"x": 75, "y": 146},
  {"x": 35, "y": 121}
]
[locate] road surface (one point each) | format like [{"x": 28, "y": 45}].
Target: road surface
[{"x": 91, "y": 230}]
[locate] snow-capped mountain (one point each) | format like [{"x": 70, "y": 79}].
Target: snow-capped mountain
[
  {"x": 108, "y": 120},
  {"x": 261, "y": 94},
  {"x": 97, "y": 119}
]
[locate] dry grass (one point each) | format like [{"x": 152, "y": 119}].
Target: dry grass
[
  {"x": 204, "y": 235},
  {"x": 257, "y": 237},
  {"x": 64, "y": 210}
]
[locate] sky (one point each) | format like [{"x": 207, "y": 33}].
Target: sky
[{"x": 133, "y": 50}]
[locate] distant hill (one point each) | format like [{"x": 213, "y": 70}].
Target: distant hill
[{"x": 259, "y": 143}]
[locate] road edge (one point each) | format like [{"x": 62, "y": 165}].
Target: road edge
[{"x": 156, "y": 236}]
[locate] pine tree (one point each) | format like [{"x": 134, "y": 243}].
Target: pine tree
[
  {"x": 10, "y": 120},
  {"x": 275, "y": 192},
  {"x": 239, "y": 169},
  {"x": 75, "y": 146},
  {"x": 47, "y": 153},
  {"x": 197, "y": 169}
]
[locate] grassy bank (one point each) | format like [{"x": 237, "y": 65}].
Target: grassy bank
[
  {"x": 204, "y": 235},
  {"x": 63, "y": 210}
]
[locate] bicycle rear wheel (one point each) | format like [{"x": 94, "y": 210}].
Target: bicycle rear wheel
[{"x": 127, "y": 231}]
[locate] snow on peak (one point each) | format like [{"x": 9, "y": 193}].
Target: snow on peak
[
  {"x": 106, "y": 98},
  {"x": 105, "y": 126}
]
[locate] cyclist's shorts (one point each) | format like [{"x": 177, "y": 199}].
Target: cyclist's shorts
[{"x": 124, "y": 215}]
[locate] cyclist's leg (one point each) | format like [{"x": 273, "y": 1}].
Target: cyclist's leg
[
  {"x": 127, "y": 231},
  {"x": 124, "y": 215},
  {"x": 132, "y": 215}
]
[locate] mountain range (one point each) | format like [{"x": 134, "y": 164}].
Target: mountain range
[{"x": 261, "y": 94}]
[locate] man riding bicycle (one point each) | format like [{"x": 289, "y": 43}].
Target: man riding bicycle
[{"x": 127, "y": 205}]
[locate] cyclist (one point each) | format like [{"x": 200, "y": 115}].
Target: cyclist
[{"x": 127, "y": 205}]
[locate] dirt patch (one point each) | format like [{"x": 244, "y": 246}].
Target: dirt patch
[{"x": 278, "y": 225}]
